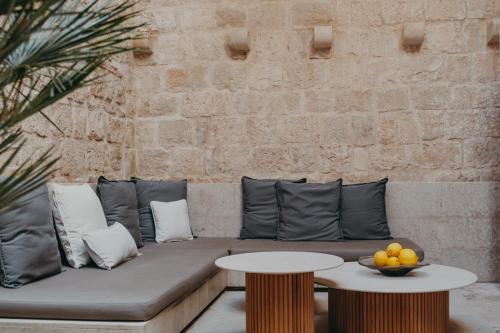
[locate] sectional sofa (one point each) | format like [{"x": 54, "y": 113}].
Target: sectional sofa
[{"x": 166, "y": 287}]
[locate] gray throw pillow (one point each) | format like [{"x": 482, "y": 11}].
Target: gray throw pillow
[
  {"x": 362, "y": 211},
  {"x": 309, "y": 211},
  {"x": 28, "y": 243},
  {"x": 152, "y": 190},
  {"x": 119, "y": 202},
  {"x": 260, "y": 207}
]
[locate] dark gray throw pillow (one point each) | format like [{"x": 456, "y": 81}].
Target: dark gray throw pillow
[
  {"x": 260, "y": 207},
  {"x": 362, "y": 211},
  {"x": 119, "y": 202},
  {"x": 309, "y": 211},
  {"x": 28, "y": 243},
  {"x": 153, "y": 190}
]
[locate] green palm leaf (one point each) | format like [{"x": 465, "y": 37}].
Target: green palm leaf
[{"x": 49, "y": 49}]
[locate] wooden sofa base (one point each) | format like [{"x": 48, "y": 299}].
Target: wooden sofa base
[{"x": 171, "y": 320}]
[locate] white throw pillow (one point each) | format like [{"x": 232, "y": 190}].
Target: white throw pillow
[
  {"x": 77, "y": 210},
  {"x": 171, "y": 221},
  {"x": 111, "y": 246}
]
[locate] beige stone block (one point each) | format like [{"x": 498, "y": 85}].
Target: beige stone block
[
  {"x": 431, "y": 97},
  {"x": 175, "y": 132},
  {"x": 319, "y": 101},
  {"x": 267, "y": 15},
  {"x": 426, "y": 68},
  {"x": 302, "y": 158},
  {"x": 335, "y": 159},
  {"x": 475, "y": 33},
  {"x": 229, "y": 76},
  {"x": 247, "y": 102},
  {"x": 409, "y": 131},
  {"x": 310, "y": 13},
  {"x": 475, "y": 96},
  {"x": 162, "y": 19},
  {"x": 230, "y": 16},
  {"x": 196, "y": 18},
  {"x": 445, "y": 9},
  {"x": 397, "y": 12},
  {"x": 186, "y": 78},
  {"x": 186, "y": 161},
  {"x": 79, "y": 123},
  {"x": 205, "y": 46},
  {"x": 341, "y": 73},
  {"x": 486, "y": 67},
  {"x": 336, "y": 130},
  {"x": 387, "y": 128},
  {"x": 157, "y": 104},
  {"x": 283, "y": 103},
  {"x": 444, "y": 37},
  {"x": 458, "y": 69},
  {"x": 220, "y": 130},
  {"x": 265, "y": 76},
  {"x": 388, "y": 157},
  {"x": 438, "y": 155},
  {"x": 480, "y": 152},
  {"x": 367, "y": 13},
  {"x": 354, "y": 100},
  {"x": 152, "y": 163},
  {"x": 491, "y": 123},
  {"x": 231, "y": 160},
  {"x": 269, "y": 160},
  {"x": 363, "y": 130},
  {"x": 462, "y": 124},
  {"x": 169, "y": 49},
  {"x": 96, "y": 125},
  {"x": 275, "y": 45},
  {"x": 306, "y": 75},
  {"x": 204, "y": 104},
  {"x": 431, "y": 123},
  {"x": 146, "y": 134},
  {"x": 392, "y": 99},
  {"x": 115, "y": 130},
  {"x": 360, "y": 159},
  {"x": 262, "y": 130},
  {"x": 481, "y": 8},
  {"x": 300, "y": 129}
]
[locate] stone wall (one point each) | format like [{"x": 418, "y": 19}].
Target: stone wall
[
  {"x": 97, "y": 129},
  {"x": 367, "y": 110}
]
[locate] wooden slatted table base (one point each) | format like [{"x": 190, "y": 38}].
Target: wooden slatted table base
[
  {"x": 279, "y": 303},
  {"x": 366, "y": 312}
]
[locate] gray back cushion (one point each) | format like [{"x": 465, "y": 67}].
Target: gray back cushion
[
  {"x": 119, "y": 202},
  {"x": 152, "y": 190},
  {"x": 28, "y": 243},
  {"x": 362, "y": 211},
  {"x": 260, "y": 207},
  {"x": 309, "y": 211}
]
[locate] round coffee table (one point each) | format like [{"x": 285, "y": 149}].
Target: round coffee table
[
  {"x": 279, "y": 288},
  {"x": 364, "y": 300}
]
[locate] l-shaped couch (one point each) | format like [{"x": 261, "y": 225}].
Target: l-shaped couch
[
  {"x": 163, "y": 290},
  {"x": 166, "y": 287}
]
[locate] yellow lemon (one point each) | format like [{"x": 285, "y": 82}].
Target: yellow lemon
[
  {"x": 380, "y": 258},
  {"x": 393, "y": 249},
  {"x": 408, "y": 257},
  {"x": 392, "y": 261}
]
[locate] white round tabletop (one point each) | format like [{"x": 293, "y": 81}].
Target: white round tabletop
[
  {"x": 433, "y": 278},
  {"x": 280, "y": 262}
]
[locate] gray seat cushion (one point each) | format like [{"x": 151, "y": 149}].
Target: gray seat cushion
[
  {"x": 134, "y": 291},
  {"x": 348, "y": 250}
]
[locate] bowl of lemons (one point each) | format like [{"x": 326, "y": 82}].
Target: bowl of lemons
[{"x": 393, "y": 261}]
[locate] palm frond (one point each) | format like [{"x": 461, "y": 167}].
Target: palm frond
[{"x": 49, "y": 49}]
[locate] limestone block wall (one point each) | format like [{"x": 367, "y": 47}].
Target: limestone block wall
[
  {"x": 97, "y": 129},
  {"x": 367, "y": 109}
]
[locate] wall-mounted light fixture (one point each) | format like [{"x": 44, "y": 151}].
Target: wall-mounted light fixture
[
  {"x": 238, "y": 40},
  {"x": 493, "y": 32},
  {"x": 413, "y": 35},
  {"x": 323, "y": 37},
  {"x": 143, "y": 46}
]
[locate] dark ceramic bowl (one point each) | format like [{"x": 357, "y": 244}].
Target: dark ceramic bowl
[{"x": 390, "y": 270}]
